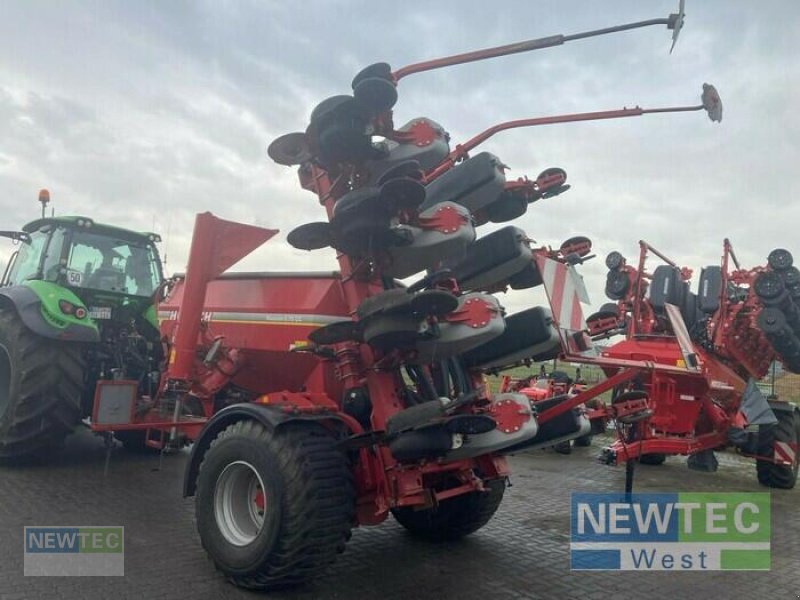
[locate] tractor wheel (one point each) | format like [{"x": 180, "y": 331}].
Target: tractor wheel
[
  {"x": 786, "y": 430},
  {"x": 274, "y": 508},
  {"x": 584, "y": 441},
  {"x": 652, "y": 459},
  {"x": 455, "y": 517},
  {"x": 40, "y": 389},
  {"x": 563, "y": 447}
]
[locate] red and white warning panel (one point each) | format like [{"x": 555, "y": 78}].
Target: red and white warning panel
[
  {"x": 566, "y": 291},
  {"x": 785, "y": 452}
]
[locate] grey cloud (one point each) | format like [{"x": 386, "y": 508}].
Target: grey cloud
[{"x": 152, "y": 111}]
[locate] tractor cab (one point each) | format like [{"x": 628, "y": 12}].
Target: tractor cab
[{"x": 106, "y": 267}]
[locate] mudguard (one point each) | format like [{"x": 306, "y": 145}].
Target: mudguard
[
  {"x": 271, "y": 417},
  {"x": 37, "y": 303}
]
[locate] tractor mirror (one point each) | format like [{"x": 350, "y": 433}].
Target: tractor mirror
[
  {"x": 17, "y": 236},
  {"x": 712, "y": 102}
]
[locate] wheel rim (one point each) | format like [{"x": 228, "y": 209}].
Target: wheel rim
[
  {"x": 5, "y": 380},
  {"x": 239, "y": 503}
]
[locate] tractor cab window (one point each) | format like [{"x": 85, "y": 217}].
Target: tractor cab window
[
  {"x": 51, "y": 265},
  {"x": 109, "y": 264},
  {"x": 28, "y": 259}
]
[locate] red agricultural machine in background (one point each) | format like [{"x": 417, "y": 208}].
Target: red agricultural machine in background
[
  {"x": 545, "y": 390},
  {"x": 330, "y": 400},
  {"x": 684, "y": 376}
]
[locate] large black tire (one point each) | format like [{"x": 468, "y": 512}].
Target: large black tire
[
  {"x": 652, "y": 459},
  {"x": 307, "y": 503},
  {"x": 41, "y": 382},
  {"x": 584, "y": 441},
  {"x": 786, "y": 430},
  {"x": 455, "y": 517}
]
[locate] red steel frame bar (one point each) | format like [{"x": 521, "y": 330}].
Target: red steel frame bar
[
  {"x": 526, "y": 46},
  {"x": 625, "y": 451},
  {"x": 461, "y": 150},
  {"x": 580, "y": 398},
  {"x": 644, "y": 248}
]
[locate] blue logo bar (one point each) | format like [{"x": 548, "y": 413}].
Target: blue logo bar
[
  {"x": 52, "y": 540},
  {"x": 595, "y": 559},
  {"x": 611, "y": 517}
]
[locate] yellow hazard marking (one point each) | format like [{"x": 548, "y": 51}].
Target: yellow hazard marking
[{"x": 680, "y": 363}]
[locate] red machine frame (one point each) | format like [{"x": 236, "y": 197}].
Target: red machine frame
[
  {"x": 690, "y": 397},
  {"x": 201, "y": 361}
]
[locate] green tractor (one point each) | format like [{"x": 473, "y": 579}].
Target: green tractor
[{"x": 76, "y": 307}]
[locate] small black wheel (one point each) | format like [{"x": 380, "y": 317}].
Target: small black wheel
[
  {"x": 617, "y": 285},
  {"x": 772, "y": 321},
  {"x": 785, "y": 432},
  {"x": 563, "y": 447},
  {"x": 780, "y": 259},
  {"x": 769, "y": 285},
  {"x": 274, "y": 508},
  {"x": 376, "y": 94},
  {"x": 652, "y": 459},
  {"x": 614, "y": 260},
  {"x": 584, "y": 441},
  {"x": 455, "y": 517}
]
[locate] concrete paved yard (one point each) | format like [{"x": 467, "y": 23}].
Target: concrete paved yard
[{"x": 522, "y": 553}]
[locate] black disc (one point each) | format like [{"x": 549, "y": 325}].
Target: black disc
[
  {"x": 362, "y": 232},
  {"x": 771, "y": 320},
  {"x": 383, "y": 301},
  {"x": 555, "y": 191},
  {"x": 579, "y": 244},
  {"x": 407, "y": 168},
  {"x": 614, "y": 260},
  {"x": 389, "y": 332},
  {"x": 780, "y": 259},
  {"x": 375, "y": 94},
  {"x": 329, "y": 105},
  {"x": 367, "y": 197},
  {"x": 470, "y": 424},
  {"x": 335, "y": 333},
  {"x": 791, "y": 277},
  {"x": 604, "y": 313},
  {"x": 435, "y": 303},
  {"x": 311, "y": 236},
  {"x": 768, "y": 285},
  {"x": 290, "y": 149},
  {"x": 403, "y": 192},
  {"x": 553, "y": 171},
  {"x": 339, "y": 132},
  {"x": 381, "y": 70},
  {"x": 617, "y": 284}
]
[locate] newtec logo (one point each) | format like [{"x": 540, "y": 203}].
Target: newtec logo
[
  {"x": 93, "y": 551},
  {"x": 670, "y": 532}
]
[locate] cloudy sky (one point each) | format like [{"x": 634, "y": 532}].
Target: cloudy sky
[{"x": 144, "y": 113}]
